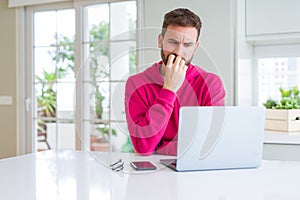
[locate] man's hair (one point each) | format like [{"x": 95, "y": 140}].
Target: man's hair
[{"x": 181, "y": 17}]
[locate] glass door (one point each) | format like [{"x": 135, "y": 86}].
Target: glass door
[
  {"x": 82, "y": 54},
  {"x": 54, "y": 79},
  {"x": 109, "y": 41}
]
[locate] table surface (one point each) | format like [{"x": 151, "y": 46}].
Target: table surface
[{"x": 86, "y": 175}]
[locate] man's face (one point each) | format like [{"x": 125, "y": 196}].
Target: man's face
[{"x": 178, "y": 40}]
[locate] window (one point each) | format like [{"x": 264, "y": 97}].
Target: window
[
  {"x": 54, "y": 78},
  {"x": 275, "y": 73},
  {"x": 109, "y": 43},
  {"x": 82, "y": 55},
  {"x": 277, "y": 66}
]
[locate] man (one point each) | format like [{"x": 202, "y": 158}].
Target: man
[{"x": 153, "y": 97}]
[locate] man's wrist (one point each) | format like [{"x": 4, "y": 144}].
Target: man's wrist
[{"x": 166, "y": 87}]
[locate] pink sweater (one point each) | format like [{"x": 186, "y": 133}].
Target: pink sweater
[{"x": 152, "y": 112}]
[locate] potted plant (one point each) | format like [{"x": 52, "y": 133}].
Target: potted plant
[
  {"x": 46, "y": 104},
  {"x": 100, "y": 141},
  {"x": 127, "y": 147},
  {"x": 98, "y": 103},
  {"x": 46, "y": 98},
  {"x": 284, "y": 115}
]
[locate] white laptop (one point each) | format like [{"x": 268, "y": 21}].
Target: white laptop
[{"x": 219, "y": 137}]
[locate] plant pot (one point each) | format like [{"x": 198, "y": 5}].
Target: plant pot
[
  {"x": 97, "y": 144},
  {"x": 282, "y": 120}
]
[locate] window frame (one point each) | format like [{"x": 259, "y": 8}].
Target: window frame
[{"x": 29, "y": 77}]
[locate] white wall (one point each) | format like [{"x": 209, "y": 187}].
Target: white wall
[
  {"x": 244, "y": 56},
  {"x": 216, "y": 40},
  {"x": 273, "y": 19},
  {"x": 264, "y": 28}
]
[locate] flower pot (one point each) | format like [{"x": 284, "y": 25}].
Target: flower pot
[{"x": 282, "y": 120}]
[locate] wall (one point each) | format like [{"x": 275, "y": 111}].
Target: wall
[
  {"x": 273, "y": 21},
  {"x": 7, "y": 80},
  {"x": 247, "y": 77},
  {"x": 244, "y": 56},
  {"x": 216, "y": 52}
]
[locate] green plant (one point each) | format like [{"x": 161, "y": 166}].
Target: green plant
[
  {"x": 270, "y": 103},
  {"x": 63, "y": 56},
  {"x": 46, "y": 98},
  {"x": 127, "y": 147},
  {"x": 41, "y": 126},
  {"x": 104, "y": 130},
  {"x": 98, "y": 103},
  {"x": 290, "y": 99}
]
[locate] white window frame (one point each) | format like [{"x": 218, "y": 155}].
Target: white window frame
[{"x": 30, "y": 98}]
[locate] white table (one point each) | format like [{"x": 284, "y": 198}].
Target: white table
[{"x": 83, "y": 175}]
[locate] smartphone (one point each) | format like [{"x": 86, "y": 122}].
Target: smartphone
[{"x": 142, "y": 165}]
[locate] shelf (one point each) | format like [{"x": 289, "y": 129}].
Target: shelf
[{"x": 277, "y": 137}]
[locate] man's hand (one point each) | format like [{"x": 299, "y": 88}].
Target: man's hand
[{"x": 175, "y": 73}]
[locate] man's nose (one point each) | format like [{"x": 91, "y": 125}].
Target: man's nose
[{"x": 179, "y": 50}]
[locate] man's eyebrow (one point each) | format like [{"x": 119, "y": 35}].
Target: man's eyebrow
[
  {"x": 173, "y": 40},
  {"x": 185, "y": 43}
]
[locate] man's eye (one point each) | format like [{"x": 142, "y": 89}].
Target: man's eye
[
  {"x": 188, "y": 44},
  {"x": 173, "y": 42}
]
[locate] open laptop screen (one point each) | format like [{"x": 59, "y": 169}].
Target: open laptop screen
[{"x": 221, "y": 137}]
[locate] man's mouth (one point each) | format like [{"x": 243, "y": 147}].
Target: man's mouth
[{"x": 174, "y": 58}]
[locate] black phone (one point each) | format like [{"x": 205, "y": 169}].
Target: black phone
[{"x": 143, "y": 165}]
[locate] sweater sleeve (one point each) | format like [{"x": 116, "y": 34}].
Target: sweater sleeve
[
  {"x": 215, "y": 92},
  {"x": 147, "y": 123},
  {"x": 168, "y": 148}
]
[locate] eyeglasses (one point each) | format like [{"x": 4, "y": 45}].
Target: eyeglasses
[{"x": 117, "y": 166}]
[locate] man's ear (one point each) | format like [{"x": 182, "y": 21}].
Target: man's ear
[
  {"x": 196, "y": 46},
  {"x": 160, "y": 41}
]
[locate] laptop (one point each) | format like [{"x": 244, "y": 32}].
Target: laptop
[{"x": 219, "y": 137}]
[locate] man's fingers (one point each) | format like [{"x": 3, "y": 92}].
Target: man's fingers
[
  {"x": 171, "y": 58},
  {"x": 180, "y": 62},
  {"x": 182, "y": 66},
  {"x": 176, "y": 63},
  {"x": 175, "y": 72}
]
